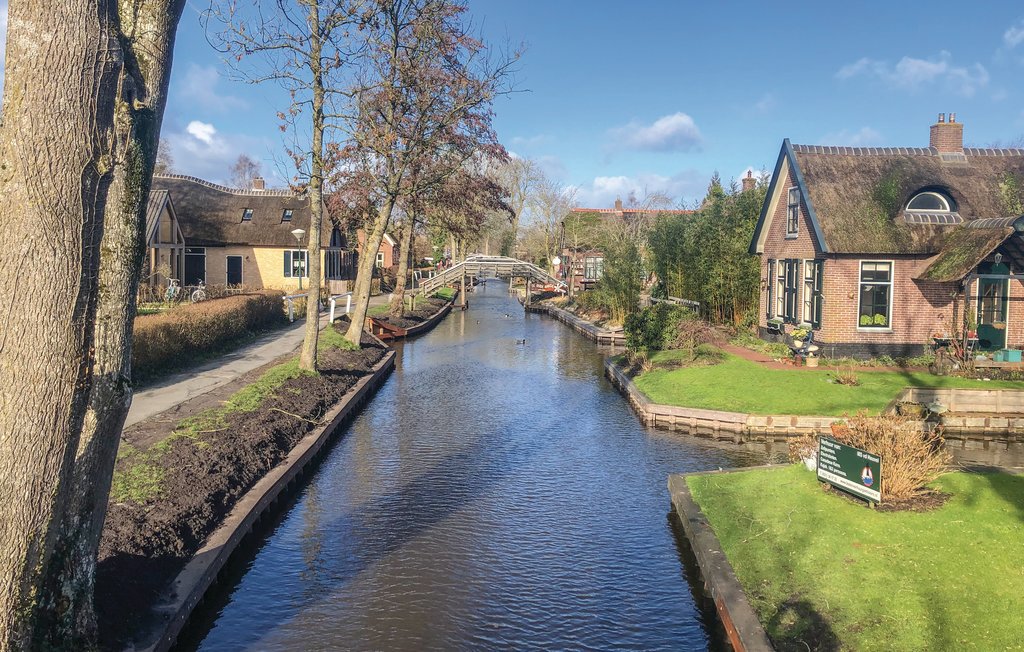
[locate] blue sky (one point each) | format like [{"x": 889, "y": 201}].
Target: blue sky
[{"x": 656, "y": 96}]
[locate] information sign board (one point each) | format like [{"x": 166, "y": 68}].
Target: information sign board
[{"x": 850, "y": 469}]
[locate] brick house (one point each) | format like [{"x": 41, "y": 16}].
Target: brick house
[
  {"x": 582, "y": 260},
  {"x": 245, "y": 237},
  {"x": 881, "y": 248}
]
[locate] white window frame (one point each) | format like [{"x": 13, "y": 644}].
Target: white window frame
[
  {"x": 780, "y": 289},
  {"x": 942, "y": 197},
  {"x": 789, "y": 207},
  {"x": 807, "y": 293},
  {"x": 380, "y": 260},
  {"x": 305, "y": 263},
  {"x": 247, "y": 214},
  {"x": 241, "y": 258},
  {"x": 892, "y": 292}
]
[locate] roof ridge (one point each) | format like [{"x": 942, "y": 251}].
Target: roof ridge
[
  {"x": 906, "y": 151},
  {"x": 232, "y": 191}
]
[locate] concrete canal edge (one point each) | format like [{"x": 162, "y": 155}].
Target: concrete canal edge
[
  {"x": 744, "y": 630},
  {"x": 200, "y": 573},
  {"x": 717, "y": 424},
  {"x": 599, "y": 335}
]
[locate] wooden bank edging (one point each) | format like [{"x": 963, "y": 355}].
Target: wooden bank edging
[
  {"x": 425, "y": 326},
  {"x": 600, "y": 335},
  {"x": 742, "y": 626},
  {"x": 718, "y": 424},
  {"x": 191, "y": 584}
]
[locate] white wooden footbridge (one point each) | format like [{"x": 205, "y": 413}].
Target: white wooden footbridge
[{"x": 480, "y": 266}]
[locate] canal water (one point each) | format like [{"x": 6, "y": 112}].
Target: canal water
[{"x": 497, "y": 493}]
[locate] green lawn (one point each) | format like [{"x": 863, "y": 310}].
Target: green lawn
[
  {"x": 739, "y": 385},
  {"x": 825, "y": 571}
]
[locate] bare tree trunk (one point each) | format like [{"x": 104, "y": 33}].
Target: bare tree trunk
[
  {"x": 56, "y": 163},
  {"x": 307, "y": 358},
  {"x": 364, "y": 271},
  {"x": 405, "y": 244},
  {"x": 67, "y": 619}
]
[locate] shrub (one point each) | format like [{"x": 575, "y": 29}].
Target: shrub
[
  {"x": 169, "y": 340},
  {"x": 847, "y": 377},
  {"x": 655, "y": 327},
  {"x": 911, "y": 458},
  {"x": 693, "y": 335}
]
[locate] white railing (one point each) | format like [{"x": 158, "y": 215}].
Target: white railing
[
  {"x": 334, "y": 300},
  {"x": 290, "y": 301}
]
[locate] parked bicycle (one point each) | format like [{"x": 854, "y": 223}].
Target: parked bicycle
[
  {"x": 199, "y": 294},
  {"x": 173, "y": 290}
]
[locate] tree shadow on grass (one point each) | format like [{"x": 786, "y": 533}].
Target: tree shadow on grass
[
  {"x": 1008, "y": 486},
  {"x": 799, "y": 626}
]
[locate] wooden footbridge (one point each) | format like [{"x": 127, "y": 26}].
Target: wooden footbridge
[{"x": 480, "y": 266}]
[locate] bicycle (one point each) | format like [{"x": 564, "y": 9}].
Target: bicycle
[
  {"x": 199, "y": 294},
  {"x": 173, "y": 290}
]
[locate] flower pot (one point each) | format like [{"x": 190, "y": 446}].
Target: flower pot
[{"x": 811, "y": 361}]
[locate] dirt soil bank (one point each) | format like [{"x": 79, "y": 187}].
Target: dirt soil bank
[
  {"x": 146, "y": 543},
  {"x": 424, "y": 311}
]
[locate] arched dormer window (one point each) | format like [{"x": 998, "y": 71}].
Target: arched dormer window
[{"x": 931, "y": 201}]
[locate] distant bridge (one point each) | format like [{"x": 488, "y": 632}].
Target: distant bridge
[{"x": 480, "y": 266}]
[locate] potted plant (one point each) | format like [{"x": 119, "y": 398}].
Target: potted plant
[
  {"x": 799, "y": 334},
  {"x": 972, "y": 326},
  {"x": 774, "y": 325}
]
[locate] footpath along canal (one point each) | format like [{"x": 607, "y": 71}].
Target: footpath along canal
[{"x": 495, "y": 494}]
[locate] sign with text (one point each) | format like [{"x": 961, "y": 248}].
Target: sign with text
[{"x": 850, "y": 469}]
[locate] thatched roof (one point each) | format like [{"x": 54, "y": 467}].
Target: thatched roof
[
  {"x": 856, "y": 196},
  {"x": 965, "y": 248},
  {"x": 211, "y": 215}
]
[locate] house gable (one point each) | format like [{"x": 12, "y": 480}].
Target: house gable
[{"x": 787, "y": 175}]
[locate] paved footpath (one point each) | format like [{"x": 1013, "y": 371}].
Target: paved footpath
[{"x": 176, "y": 389}]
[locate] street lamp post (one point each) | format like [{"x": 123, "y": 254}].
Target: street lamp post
[{"x": 298, "y": 233}]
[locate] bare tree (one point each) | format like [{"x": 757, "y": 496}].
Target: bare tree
[
  {"x": 548, "y": 205},
  {"x": 306, "y": 46},
  {"x": 520, "y": 177},
  {"x": 427, "y": 88},
  {"x": 244, "y": 171},
  {"x": 164, "y": 158},
  {"x": 78, "y": 145}
]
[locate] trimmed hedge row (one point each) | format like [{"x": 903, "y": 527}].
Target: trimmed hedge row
[{"x": 172, "y": 339}]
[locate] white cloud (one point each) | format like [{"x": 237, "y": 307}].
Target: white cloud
[
  {"x": 201, "y": 150},
  {"x": 671, "y": 133},
  {"x": 528, "y": 141},
  {"x": 204, "y": 132},
  {"x": 863, "y": 137},
  {"x": 1014, "y": 36},
  {"x": 766, "y": 103},
  {"x": 199, "y": 88},
  {"x": 688, "y": 185},
  {"x": 912, "y": 74}
]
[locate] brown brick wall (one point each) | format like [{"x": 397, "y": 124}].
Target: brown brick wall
[{"x": 947, "y": 136}]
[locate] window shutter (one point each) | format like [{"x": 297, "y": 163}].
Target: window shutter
[
  {"x": 771, "y": 289},
  {"x": 287, "y": 264},
  {"x": 791, "y": 280},
  {"x": 819, "y": 282}
]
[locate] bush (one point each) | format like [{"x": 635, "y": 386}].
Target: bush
[
  {"x": 655, "y": 327},
  {"x": 692, "y": 335},
  {"x": 169, "y": 340},
  {"x": 910, "y": 458}
]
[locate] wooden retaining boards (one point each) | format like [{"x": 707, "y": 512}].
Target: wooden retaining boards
[
  {"x": 200, "y": 573},
  {"x": 431, "y": 322},
  {"x": 600, "y": 335},
  {"x": 718, "y": 424},
  {"x": 745, "y": 632}
]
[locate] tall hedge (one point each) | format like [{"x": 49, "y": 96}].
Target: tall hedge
[{"x": 169, "y": 340}]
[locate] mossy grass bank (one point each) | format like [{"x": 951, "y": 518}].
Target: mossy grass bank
[
  {"x": 824, "y": 572},
  {"x": 739, "y": 385}
]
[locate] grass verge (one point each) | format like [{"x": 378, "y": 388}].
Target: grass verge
[
  {"x": 728, "y": 385},
  {"x": 823, "y": 572}
]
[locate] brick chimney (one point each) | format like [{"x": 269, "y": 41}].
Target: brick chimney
[
  {"x": 947, "y": 137},
  {"x": 618, "y": 203},
  {"x": 259, "y": 184},
  {"x": 749, "y": 182}
]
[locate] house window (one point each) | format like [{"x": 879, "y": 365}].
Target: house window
[
  {"x": 787, "y": 285},
  {"x": 780, "y": 289},
  {"x": 812, "y": 297},
  {"x": 295, "y": 264},
  {"x": 247, "y": 215},
  {"x": 793, "y": 213},
  {"x": 930, "y": 201},
  {"x": 875, "y": 295},
  {"x": 380, "y": 259},
  {"x": 593, "y": 267},
  {"x": 286, "y": 216}
]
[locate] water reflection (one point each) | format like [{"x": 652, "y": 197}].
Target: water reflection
[{"x": 495, "y": 494}]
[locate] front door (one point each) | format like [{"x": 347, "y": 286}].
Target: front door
[
  {"x": 234, "y": 270},
  {"x": 992, "y": 304}
]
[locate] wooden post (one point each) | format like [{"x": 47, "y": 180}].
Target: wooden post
[
  {"x": 462, "y": 294},
  {"x": 526, "y": 300}
]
